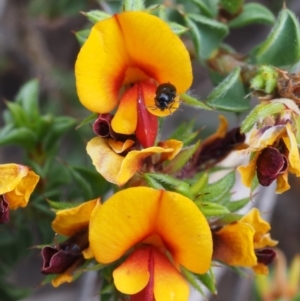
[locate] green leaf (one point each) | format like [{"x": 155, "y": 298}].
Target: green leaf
[
  {"x": 209, "y": 281},
  {"x": 18, "y": 114},
  {"x": 232, "y": 6},
  {"x": 208, "y": 8},
  {"x": 211, "y": 208},
  {"x": 28, "y": 97},
  {"x": 175, "y": 184},
  {"x": 200, "y": 183},
  {"x": 282, "y": 46},
  {"x": 260, "y": 112},
  {"x": 153, "y": 183},
  {"x": 61, "y": 205},
  {"x": 82, "y": 35},
  {"x": 253, "y": 13},
  {"x": 192, "y": 279},
  {"x": 210, "y": 34},
  {"x": 21, "y": 136},
  {"x": 217, "y": 190},
  {"x": 182, "y": 130},
  {"x": 133, "y": 5},
  {"x": 229, "y": 95},
  {"x": 177, "y": 28},
  {"x": 194, "y": 102},
  {"x": 181, "y": 159},
  {"x": 87, "y": 120},
  {"x": 96, "y": 15},
  {"x": 237, "y": 205}
]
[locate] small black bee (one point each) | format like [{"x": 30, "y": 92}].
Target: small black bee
[{"x": 165, "y": 96}]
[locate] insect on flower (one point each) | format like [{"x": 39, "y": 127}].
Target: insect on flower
[{"x": 165, "y": 96}]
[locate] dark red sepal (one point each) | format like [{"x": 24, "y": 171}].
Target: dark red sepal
[
  {"x": 265, "y": 256},
  {"x": 4, "y": 210}
]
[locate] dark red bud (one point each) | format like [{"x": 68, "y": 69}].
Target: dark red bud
[
  {"x": 265, "y": 256},
  {"x": 270, "y": 164},
  {"x": 102, "y": 125},
  {"x": 4, "y": 210}
]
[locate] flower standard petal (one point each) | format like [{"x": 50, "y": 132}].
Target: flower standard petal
[
  {"x": 129, "y": 41},
  {"x": 70, "y": 221},
  {"x": 132, "y": 215},
  {"x": 133, "y": 274}
]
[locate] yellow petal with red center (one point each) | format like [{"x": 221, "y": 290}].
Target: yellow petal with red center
[
  {"x": 133, "y": 274},
  {"x": 282, "y": 182},
  {"x": 115, "y": 168},
  {"x": 260, "y": 226},
  {"x": 248, "y": 172},
  {"x": 18, "y": 183},
  {"x": 293, "y": 156},
  {"x": 155, "y": 49},
  {"x": 70, "y": 221},
  {"x": 129, "y": 40},
  {"x": 169, "y": 285},
  {"x": 125, "y": 119},
  {"x": 233, "y": 245},
  {"x": 120, "y": 146},
  {"x": 100, "y": 67},
  {"x": 132, "y": 215}
]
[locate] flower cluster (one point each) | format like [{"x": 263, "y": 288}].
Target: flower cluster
[{"x": 161, "y": 223}]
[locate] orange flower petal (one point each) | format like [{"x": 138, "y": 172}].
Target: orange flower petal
[
  {"x": 248, "y": 172},
  {"x": 172, "y": 143},
  {"x": 168, "y": 282},
  {"x": 291, "y": 143},
  {"x": 261, "y": 269},
  {"x": 18, "y": 183},
  {"x": 260, "y": 226},
  {"x": 282, "y": 182},
  {"x": 125, "y": 119},
  {"x": 132, "y": 215},
  {"x": 233, "y": 245},
  {"x": 62, "y": 278},
  {"x": 129, "y": 41},
  {"x": 133, "y": 274},
  {"x": 155, "y": 49},
  {"x": 70, "y": 221},
  {"x": 120, "y": 146},
  {"x": 115, "y": 168},
  {"x": 100, "y": 67}
]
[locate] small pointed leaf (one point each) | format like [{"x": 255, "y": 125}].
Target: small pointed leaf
[
  {"x": 211, "y": 34},
  {"x": 237, "y": 205},
  {"x": 209, "y": 281},
  {"x": 96, "y": 15},
  {"x": 194, "y": 102},
  {"x": 130, "y": 5},
  {"x": 212, "y": 208},
  {"x": 18, "y": 114},
  {"x": 21, "y": 136},
  {"x": 282, "y": 46},
  {"x": 229, "y": 95},
  {"x": 253, "y": 13},
  {"x": 232, "y": 6},
  {"x": 208, "y": 8},
  {"x": 177, "y": 28},
  {"x": 217, "y": 190},
  {"x": 82, "y": 35},
  {"x": 28, "y": 99}
]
